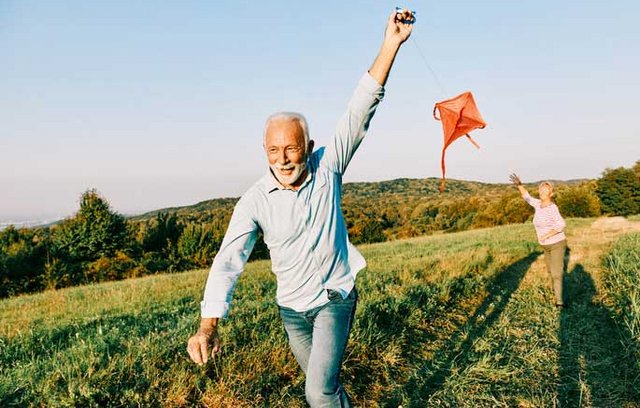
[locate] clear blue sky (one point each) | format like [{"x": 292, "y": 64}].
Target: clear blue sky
[{"x": 159, "y": 103}]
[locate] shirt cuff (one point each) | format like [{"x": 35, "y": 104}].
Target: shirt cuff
[{"x": 214, "y": 309}]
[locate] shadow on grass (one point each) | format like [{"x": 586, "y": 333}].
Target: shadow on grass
[
  {"x": 455, "y": 353},
  {"x": 594, "y": 369},
  {"x": 399, "y": 325}
]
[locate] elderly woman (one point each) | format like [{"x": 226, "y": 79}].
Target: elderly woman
[{"x": 549, "y": 227}]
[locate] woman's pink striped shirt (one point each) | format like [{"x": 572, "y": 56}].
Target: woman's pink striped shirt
[{"x": 546, "y": 219}]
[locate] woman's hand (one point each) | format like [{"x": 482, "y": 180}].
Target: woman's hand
[
  {"x": 515, "y": 179},
  {"x": 549, "y": 234}
]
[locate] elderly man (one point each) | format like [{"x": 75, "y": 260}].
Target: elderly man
[{"x": 297, "y": 206}]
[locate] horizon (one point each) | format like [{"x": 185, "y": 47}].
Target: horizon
[{"x": 160, "y": 106}]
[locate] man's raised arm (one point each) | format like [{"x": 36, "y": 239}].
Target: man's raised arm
[
  {"x": 398, "y": 30},
  {"x": 353, "y": 125}
]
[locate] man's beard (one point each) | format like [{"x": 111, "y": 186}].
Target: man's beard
[{"x": 290, "y": 179}]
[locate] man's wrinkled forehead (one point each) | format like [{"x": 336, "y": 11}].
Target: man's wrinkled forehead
[{"x": 284, "y": 131}]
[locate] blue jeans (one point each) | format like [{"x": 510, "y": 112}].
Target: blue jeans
[{"x": 317, "y": 339}]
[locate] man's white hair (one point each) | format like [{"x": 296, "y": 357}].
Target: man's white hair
[{"x": 289, "y": 116}]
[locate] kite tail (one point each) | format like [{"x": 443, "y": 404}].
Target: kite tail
[
  {"x": 472, "y": 141},
  {"x": 442, "y": 165}
]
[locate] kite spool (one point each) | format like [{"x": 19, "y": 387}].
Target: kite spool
[{"x": 400, "y": 10}]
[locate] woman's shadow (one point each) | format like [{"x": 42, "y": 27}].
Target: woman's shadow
[{"x": 593, "y": 368}]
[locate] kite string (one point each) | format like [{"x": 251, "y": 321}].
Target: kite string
[{"x": 424, "y": 59}]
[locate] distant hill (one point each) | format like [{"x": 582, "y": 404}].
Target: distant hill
[
  {"x": 203, "y": 206},
  {"x": 402, "y": 188}
]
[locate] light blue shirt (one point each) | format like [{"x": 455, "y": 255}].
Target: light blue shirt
[{"x": 305, "y": 229}]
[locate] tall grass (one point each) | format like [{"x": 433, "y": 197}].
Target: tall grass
[
  {"x": 623, "y": 284},
  {"x": 447, "y": 320}
]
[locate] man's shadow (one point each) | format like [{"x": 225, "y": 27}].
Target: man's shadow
[
  {"x": 593, "y": 367},
  {"x": 433, "y": 375}
]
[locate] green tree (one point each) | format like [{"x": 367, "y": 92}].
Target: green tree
[
  {"x": 94, "y": 232},
  {"x": 578, "y": 201},
  {"x": 158, "y": 233},
  {"x": 619, "y": 191},
  {"x": 198, "y": 244},
  {"x": 22, "y": 257},
  {"x": 368, "y": 230}
]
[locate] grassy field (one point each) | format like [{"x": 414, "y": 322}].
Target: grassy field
[
  {"x": 460, "y": 320},
  {"x": 622, "y": 282}
]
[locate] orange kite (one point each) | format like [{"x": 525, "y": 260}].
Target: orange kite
[{"x": 459, "y": 116}]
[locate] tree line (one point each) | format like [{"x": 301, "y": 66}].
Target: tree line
[{"x": 98, "y": 244}]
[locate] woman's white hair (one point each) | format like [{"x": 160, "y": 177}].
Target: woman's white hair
[
  {"x": 289, "y": 116},
  {"x": 548, "y": 184}
]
